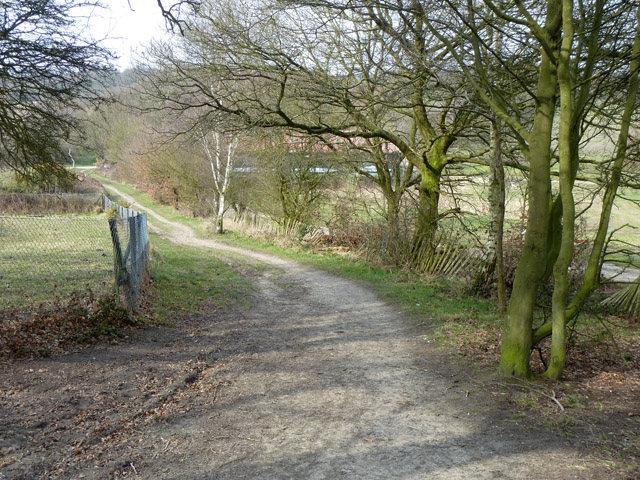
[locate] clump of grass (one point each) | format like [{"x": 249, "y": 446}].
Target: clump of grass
[{"x": 187, "y": 280}]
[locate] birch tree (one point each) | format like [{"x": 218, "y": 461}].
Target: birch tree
[{"x": 220, "y": 150}]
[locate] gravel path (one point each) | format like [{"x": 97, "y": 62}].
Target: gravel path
[{"x": 319, "y": 380}]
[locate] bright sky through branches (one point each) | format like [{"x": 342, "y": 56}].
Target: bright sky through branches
[{"x": 127, "y": 27}]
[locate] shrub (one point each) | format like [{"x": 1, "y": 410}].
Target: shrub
[{"x": 40, "y": 204}]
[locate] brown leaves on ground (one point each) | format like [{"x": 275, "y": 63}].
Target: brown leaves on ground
[{"x": 56, "y": 327}]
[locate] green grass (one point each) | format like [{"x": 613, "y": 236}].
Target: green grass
[
  {"x": 42, "y": 258},
  {"x": 199, "y": 225},
  {"x": 626, "y": 211},
  {"x": 7, "y": 180},
  {"x": 85, "y": 159},
  {"x": 625, "y": 214},
  {"x": 187, "y": 280}
]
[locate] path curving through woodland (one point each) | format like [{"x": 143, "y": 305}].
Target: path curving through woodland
[{"x": 318, "y": 380}]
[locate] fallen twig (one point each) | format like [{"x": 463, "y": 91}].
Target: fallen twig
[{"x": 536, "y": 390}]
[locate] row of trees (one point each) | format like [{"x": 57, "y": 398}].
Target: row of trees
[
  {"x": 443, "y": 83},
  {"x": 203, "y": 168}
]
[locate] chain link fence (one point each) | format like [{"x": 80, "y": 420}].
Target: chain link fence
[{"x": 45, "y": 257}]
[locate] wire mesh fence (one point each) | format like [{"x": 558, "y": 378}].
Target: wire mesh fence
[{"x": 45, "y": 257}]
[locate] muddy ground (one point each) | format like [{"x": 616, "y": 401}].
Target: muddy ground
[{"x": 318, "y": 379}]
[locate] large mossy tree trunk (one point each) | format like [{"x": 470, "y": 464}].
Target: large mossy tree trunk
[
  {"x": 582, "y": 73},
  {"x": 517, "y": 330},
  {"x": 565, "y": 254},
  {"x": 392, "y": 210},
  {"x": 427, "y": 222}
]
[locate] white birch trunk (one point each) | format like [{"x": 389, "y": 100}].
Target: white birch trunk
[{"x": 221, "y": 173}]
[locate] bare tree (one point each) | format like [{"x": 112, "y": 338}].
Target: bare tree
[
  {"x": 325, "y": 69},
  {"x": 48, "y": 70}
]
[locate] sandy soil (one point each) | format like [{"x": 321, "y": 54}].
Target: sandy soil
[{"x": 319, "y": 379}]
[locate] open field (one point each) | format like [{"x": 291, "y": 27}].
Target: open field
[
  {"x": 471, "y": 194},
  {"x": 42, "y": 258}
]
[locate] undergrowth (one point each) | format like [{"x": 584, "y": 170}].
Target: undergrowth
[{"x": 81, "y": 318}]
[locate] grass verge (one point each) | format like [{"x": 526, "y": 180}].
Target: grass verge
[
  {"x": 187, "y": 280},
  {"x": 430, "y": 301}
]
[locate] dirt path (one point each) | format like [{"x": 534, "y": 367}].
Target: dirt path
[{"x": 320, "y": 379}]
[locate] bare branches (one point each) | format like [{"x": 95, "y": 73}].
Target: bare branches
[
  {"x": 173, "y": 13},
  {"x": 48, "y": 69}
]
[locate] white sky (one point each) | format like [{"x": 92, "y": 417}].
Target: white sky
[{"x": 127, "y": 29}]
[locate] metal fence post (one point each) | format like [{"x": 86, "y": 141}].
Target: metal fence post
[
  {"x": 118, "y": 266},
  {"x": 133, "y": 262}
]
